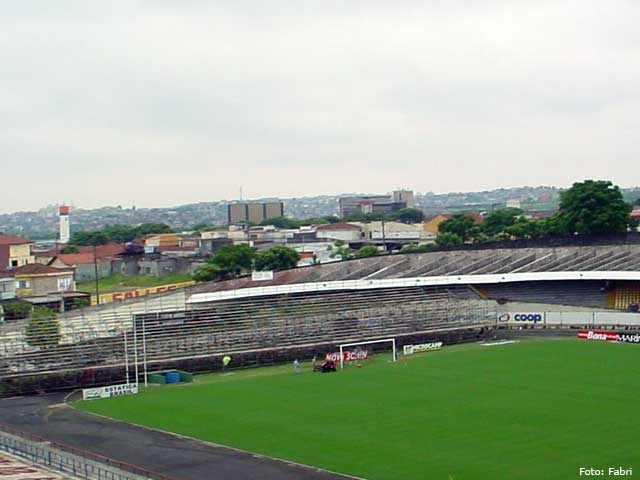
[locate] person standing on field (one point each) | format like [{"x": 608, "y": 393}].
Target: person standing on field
[{"x": 296, "y": 366}]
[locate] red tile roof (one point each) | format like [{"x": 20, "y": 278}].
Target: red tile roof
[
  {"x": 72, "y": 259},
  {"x": 102, "y": 250},
  {"x": 35, "y": 269},
  {"x": 13, "y": 240}
]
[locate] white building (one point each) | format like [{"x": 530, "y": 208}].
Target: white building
[{"x": 347, "y": 232}]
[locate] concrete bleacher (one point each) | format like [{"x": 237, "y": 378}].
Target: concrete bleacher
[
  {"x": 462, "y": 262},
  {"x": 583, "y": 293}
]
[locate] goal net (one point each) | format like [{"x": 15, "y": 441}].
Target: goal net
[{"x": 359, "y": 353}]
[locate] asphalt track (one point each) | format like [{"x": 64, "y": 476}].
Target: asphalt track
[{"x": 179, "y": 458}]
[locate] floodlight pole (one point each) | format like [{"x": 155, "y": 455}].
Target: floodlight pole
[
  {"x": 126, "y": 355},
  {"x": 135, "y": 346},
  {"x": 144, "y": 352}
]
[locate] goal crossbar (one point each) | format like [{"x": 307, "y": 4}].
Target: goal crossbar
[{"x": 366, "y": 342}]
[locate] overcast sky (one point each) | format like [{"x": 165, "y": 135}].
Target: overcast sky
[{"x": 160, "y": 102}]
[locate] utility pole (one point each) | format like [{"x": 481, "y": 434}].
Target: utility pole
[{"x": 384, "y": 238}]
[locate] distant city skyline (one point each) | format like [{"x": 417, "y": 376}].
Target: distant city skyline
[
  {"x": 116, "y": 204},
  {"x": 168, "y": 103}
]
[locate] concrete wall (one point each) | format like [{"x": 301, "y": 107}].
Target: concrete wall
[
  {"x": 7, "y": 288},
  {"x": 21, "y": 254},
  {"x": 44, "y": 285},
  {"x": 85, "y": 272}
]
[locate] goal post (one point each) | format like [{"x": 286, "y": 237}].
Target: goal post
[{"x": 369, "y": 342}]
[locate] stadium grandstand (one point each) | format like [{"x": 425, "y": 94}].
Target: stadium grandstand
[{"x": 458, "y": 295}]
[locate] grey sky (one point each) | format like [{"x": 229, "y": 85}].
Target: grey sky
[{"x": 161, "y": 102}]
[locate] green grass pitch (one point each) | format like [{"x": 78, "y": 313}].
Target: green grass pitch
[{"x": 528, "y": 410}]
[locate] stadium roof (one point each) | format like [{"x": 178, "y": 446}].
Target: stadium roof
[{"x": 410, "y": 282}]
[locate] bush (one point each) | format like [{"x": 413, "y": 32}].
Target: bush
[
  {"x": 367, "y": 251},
  {"x": 16, "y": 310},
  {"x": 43, "y": 329}
]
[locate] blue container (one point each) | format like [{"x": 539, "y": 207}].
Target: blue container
[{"x": 172, "y": 377}]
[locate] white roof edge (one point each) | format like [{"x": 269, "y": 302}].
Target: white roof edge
[{"x": 409, "y": 282}]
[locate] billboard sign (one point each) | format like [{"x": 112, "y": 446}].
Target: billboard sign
[
  {"x": 348, "y": 355},
  {"x": 609, "y": 336},
  {"x": 110, "y": 391},
  {"x": 422, "y": 347},
  {"x": 533, "y": 317},
  {"x": 262, "y": 276}
]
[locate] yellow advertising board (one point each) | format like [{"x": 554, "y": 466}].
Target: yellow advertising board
[{"x": 139, "y": 292}]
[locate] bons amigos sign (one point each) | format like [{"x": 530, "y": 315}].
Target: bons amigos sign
[
  {"x": 139, "y": 292},
  {"x": 609, "y": 336}
]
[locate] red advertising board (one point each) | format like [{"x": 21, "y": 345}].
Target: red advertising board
[
  {"x": 609, "y": 336},
  {"x": 348, "y": 355}
]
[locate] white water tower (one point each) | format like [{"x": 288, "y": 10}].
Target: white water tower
[{"x": 65, "y": 231}]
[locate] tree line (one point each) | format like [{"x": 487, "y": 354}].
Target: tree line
[
  {"x": 231, "y": 261},
  {"x": 591, "y": 207},
  {"x": 115, "y": 234}
]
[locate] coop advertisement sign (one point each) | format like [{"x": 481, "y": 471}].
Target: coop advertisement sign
[
  {"x": 422, "y": 347},
  {"x": 609, "y": 336},
  {"x": 521, "y": 317},
  {"x": 110, "y": 391},
  {"x": 348, "y": 355}
]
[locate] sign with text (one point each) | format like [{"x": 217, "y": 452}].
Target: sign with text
[
  {"x": 262, "y": 276},
  {"x": 348, "y": 355},
  {"x": 110, "y": 391},
  {"x": 609, "y": 336},
  {"x": 140, "y": 292},
  {"x": 422, "y": 347}
]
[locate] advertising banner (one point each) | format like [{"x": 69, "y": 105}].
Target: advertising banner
[
  {"x": 110, "y": 391},
  {"x": 422, "y": 347},
  {"x": 348, "y": 355},
  {"x": 140, "y": 292},
  {"x": 609, "y": 336},
  {"x": 528, "y": 317}
]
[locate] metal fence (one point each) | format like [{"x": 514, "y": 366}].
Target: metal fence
[{"x": 70, "y": 460}]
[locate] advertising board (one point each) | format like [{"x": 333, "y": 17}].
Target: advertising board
[
  {"x": 422, "y": 347},
  {"x": 609, "y": 336},
  {"x": 348, "y": 355},
  {"x": 110, "y": 391}
]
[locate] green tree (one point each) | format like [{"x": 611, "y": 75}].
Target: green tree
[
  {"x": 408, "y": 215},
  {"x": 367, "y": 251},
  {"x": 594, "y": 207},
  {"x": 117, "y": 234},
  {"x": 152, "y": 227},
  {"x": 80, "y": 302},
  {"x": 282, "y": 222},
  {"x": 460, "y": 224},
  {"x": 448, "y": 239},
  {"x": 278, "y": 257},
  {"x": 344, "y": 252},
  {"x": 524, "y": 228},
  {"x": 366, "y": 217},
  {"x": 16, "y": 310},
  {"x": 43, "y": 328},
  {"x": 208, "y": 273},
  {"x": 419, "y": 248},
  {"x": 229, "y": 261},
  {"x": 497, "y": 221}
]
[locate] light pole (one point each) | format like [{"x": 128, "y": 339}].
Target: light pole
[{"x": 95, "y": 271}]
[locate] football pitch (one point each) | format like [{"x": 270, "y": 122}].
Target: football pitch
[{"x": 526, "y": 410}]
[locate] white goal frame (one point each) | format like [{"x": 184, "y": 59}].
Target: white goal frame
[{"x": 369, "y": 342}]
